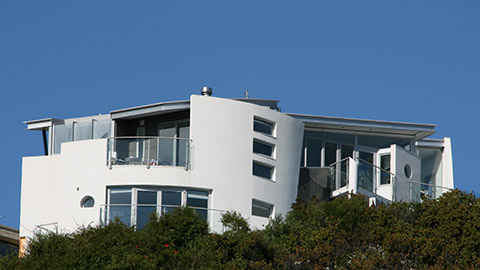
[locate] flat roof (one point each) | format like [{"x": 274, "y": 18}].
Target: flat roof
[
  {"x": 42, "y": 124},
  {"x": 418, "y": 131},
  {"x": 150, "y": 109},
  {"x": 9, "y": 235}
]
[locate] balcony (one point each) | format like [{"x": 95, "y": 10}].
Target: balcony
[
  {"x": 149, "y": 151},
  {"x": 362, "y": 177}
]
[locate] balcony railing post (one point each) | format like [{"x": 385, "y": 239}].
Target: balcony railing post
[
  {"x": 352, "y": 175},
  {"x": 148, "y": 153}
]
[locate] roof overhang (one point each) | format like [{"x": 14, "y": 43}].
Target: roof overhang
[
  {"x": 431, "y": 143},
  {"x": 42, "y": 124},
  {"x": 150, "y": 110},
  {"x": 413, "y": 130}
]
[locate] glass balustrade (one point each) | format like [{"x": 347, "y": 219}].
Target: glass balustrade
[
  {"x": 138, "y": 215},
  {"x": 149, "y": 151},
  {"x": 421, "y": 191}
]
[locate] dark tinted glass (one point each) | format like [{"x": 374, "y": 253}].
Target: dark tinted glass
[
  {"x": 262, "y": 170},
  {"x": 262, "y": 148}
]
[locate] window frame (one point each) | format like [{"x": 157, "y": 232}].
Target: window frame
[
  {"x": 262, "y": 204},
  {"x": 271, "y": 167},
  {"x": 265, "y": 122},
  {"x": 273, "y": 147},
  {"x": 159, "y": 206}
]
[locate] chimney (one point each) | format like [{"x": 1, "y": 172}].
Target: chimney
[{"x": 206, "y": 91}]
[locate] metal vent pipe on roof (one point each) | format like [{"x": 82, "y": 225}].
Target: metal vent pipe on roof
[{"x": 206, "y": 91}]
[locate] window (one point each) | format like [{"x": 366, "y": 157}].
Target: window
[
  {"x": 314, "y": 152},
  {"x": 146, "y": 205},
  {"x": 263, "y": 126},
  {"x": 261, "y": 209},
  {"x": 262, "y": 170},
  {"x": 134, "y": 206},
  {"x": 87, "y": 202},
  {"x": 173, "y": 144},
  {"x": 120, "y": 205},
  {"x": 385, "y": 169},
  {"x": 262, "y": 148},
  {"x": 198, "y": 200}
]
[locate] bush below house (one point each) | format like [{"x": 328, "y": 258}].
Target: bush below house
[{"x": 342, "y": 234}]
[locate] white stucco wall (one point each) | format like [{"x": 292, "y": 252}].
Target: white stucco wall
[{"x": 222, "y": 135}]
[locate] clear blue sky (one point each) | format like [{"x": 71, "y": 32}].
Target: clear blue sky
[{"x": 409, "y": 61}]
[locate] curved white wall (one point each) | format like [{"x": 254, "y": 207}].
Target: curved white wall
[{"x": 222, "y": 134}]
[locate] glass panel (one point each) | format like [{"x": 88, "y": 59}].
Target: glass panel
[
  {"x": 82, "y": 131},
  {"x": 182, "y": 145},
  {"x": 146, "y": 205},
  {"x": 184, "y": 130},
  {"x": 330, "y": 153},
  {"x": 120, "y": 205},
  {"x": 262, "y": 148},
  {"x": 365, "y": 171},
  {"x": 314, "y": 152},
  {"x": 262, "y": 126},
  {"x": 262, "y": 170},
  {"x": 431, "y": 170},
  {"x": 385, "y": 166},
  {"x": 347, "y": 151},
  {"x": 198, "y": 199},
  {"x": 63, "y": 133},
  {"x": 101, "y": 129},
  {"x": 166, "y": 146},
  {"x": 171, "y": 199},
  {"x": 140, "y": 143},
  {"x": 261, "y": 209}
]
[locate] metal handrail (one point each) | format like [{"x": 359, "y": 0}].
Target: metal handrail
[
  {"x": 375, "y": 166},
  {"x": 431, "y": 185},
  {"x": 149, "y": 137},
  {"x": 165, "y": 205},
  {"x": 112, "y": 142},
  {"x": 338, "y": 162}
]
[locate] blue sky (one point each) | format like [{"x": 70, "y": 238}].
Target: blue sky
[{"x": 409, "y": 61}]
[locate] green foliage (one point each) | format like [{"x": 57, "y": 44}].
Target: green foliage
[
  {"x": 234, "y": 222},
  {"x": 345, "y": 233}
]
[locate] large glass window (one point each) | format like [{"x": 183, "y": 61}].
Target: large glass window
[
  {"x": 134, "y": 206},
  {"x": 121, "y": 205},
  {"x": 314, "y": 152},
  {"x": 171, "y": 200},
  {"x": 173, "y": 143},
  {"x": 262, "y": 126},
  {"x": 146, "y": 205},
  {"x": 166, "y": 144},
  {"x": 199, "y": 201},
  {"x": 330, "y": 153}
]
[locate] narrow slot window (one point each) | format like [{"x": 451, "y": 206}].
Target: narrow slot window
[
  {"x": 263, "y": 126},
  {"x": 262, "y": 170},
  {"x": 261, "y": 209},
  {"x": 262, "y": 148}
]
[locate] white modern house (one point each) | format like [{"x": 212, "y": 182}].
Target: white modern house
[{"x": 214, "y": 155}]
